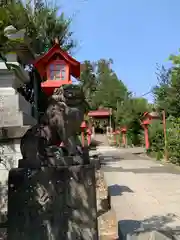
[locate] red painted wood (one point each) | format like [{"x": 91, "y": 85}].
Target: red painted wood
[
  {"x": 41, "y": 62},
  {"x": 56, "y": 56},
  {"x": 99, "y": 113},
  {"x": 146, "y": 137},
  {"x": 89, "y": 133},
  {"x": 55, "y": 63},
  {"x": 83, "y": 125}
]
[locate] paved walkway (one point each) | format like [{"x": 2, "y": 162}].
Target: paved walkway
[{"x": 145, "y": 194}]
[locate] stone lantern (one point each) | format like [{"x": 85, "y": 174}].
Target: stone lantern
[{"x": 16, "y": 112}]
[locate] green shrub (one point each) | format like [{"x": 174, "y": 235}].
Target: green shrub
[
  {"x": 156, "y": 136},
  {"x": 173, "y": 139},
  {"x": 157, "y": 143},
  {"x": 156, "y": 139}
]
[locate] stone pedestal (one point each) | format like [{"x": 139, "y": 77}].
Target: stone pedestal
[
  {"x": 9, "y": 154},
  {"x": 52, "y": 203}
]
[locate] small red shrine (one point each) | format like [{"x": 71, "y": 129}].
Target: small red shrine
[
  {"x": 55, "y": 68},
  {"x": 100, "y": 116}
]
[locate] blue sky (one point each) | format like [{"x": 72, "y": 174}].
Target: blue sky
[{"x": 136, "y": 34}]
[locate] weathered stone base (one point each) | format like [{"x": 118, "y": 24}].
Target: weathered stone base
[{"x": 52, "y": 203}]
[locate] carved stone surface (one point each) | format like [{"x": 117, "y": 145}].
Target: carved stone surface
[
  {"x": 10, "y": 118},
  {"x": 15, "y": 119},
  {"x": 7, "y": 78},
  {"x": 14, "y": 103},
  {"x": 15, "y": 111},
  {"x": 12, "y": 78},
  {"x": 75, "y": 106},
  {"x": 52, "y": 204}
]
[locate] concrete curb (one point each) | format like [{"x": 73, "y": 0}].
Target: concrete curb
[{"x": 107, "y": 223}]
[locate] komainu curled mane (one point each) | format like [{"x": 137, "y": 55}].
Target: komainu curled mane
[{"x": 48, "y": 132}]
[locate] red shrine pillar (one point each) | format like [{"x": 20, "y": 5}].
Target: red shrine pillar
[
  {"x": 83, "y": 131},
  {"x": 124, "y": 131},
  {"x": 118, "y": 137},
  {"x": 146, "y": 134},
  {"x": 89, "y": 133},
  {"x": 114, "y": 134}
]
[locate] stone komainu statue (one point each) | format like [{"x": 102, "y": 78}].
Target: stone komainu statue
[
  {"x": 60, "y": 123},
  {"x": 56, "y": 201},
  {"x": 75, "y": 106}
]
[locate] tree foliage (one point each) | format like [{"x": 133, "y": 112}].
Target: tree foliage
[
  {"x": 41, "y": 22},
  {"x": 167, "y": 92},
  {"x": 167, "y": 97},
  {"x": 101, "y": 84},
  {"x": 104, "y": 90}
]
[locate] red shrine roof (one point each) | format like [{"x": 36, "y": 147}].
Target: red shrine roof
[
  {"x": 146, "y": 114},
  {"x": 44, "y": 59},
  {"x": 151, "y": 115},
  {"x": 100, "y": 113}
]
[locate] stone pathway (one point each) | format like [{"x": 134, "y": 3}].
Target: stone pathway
[
  {"x": 145, "y": 194},
  {"x": 101, "y": 138}
]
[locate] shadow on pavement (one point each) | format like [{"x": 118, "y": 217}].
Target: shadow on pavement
[
  {"x": 117, "y": 190},
  {"x": 134, "y": 228},
  {"x": 95, "y": 143},
  {"x": 105, "y": 207}
]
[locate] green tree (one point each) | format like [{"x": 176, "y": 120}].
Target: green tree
[
  {"x": 42, "y": 24},
  {"x": 110, "y": 90},
  {"x": 161, "y": 90},
  {"x": 129, "y": 114},
  {"x": 88, "y": 80},
  {"x": 167, "y": 92},
  {"x": 167, "y": 97},
  {"x": 103, "y": 89}
]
